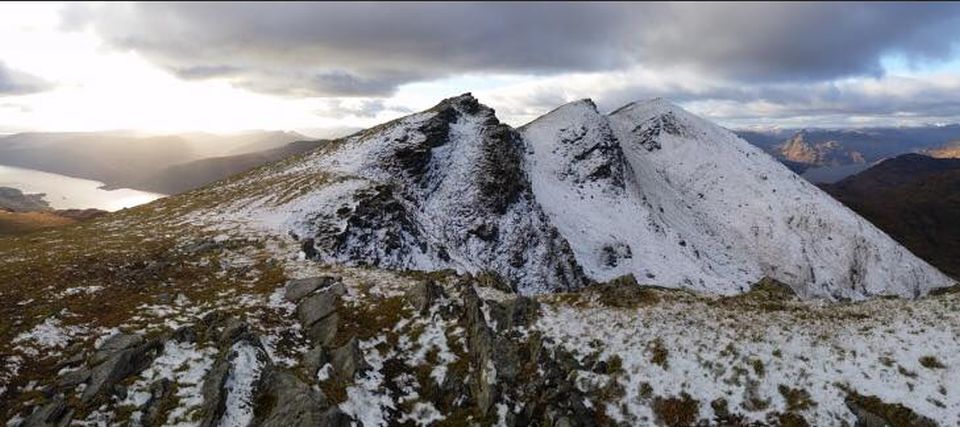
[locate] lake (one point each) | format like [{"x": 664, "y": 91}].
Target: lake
[{"x": 65, "y": 192}]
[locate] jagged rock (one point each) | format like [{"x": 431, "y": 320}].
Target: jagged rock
[
  {"x": 153, "y": 410},
  {"x": 309, "y": 248},
  {"x": 295, "y": 290},
  {"x": 334, "y": 417},
  {"x": 77, "y": 358},
  {"x": 551, "y": 395},
  {"x": 521, "y": 311},
  {"x": 113, "y": 344},
  {"x": 314, "y": 359},
  {"x": 54, "y": 414},
  {"x": 484, "y": 385},
  {"x": 624, "y": 292},
  {"x": 448, "y": 184},
  {"x": 319, "y": 305},
  {"x": 284, "y": 400},
  {"x": 213, "y": 390},
  {"x": 348, "y": 360},
  {"x": 214, "y": 397},
  {"x": 325, "y": 330},
  {"x": 120, "y": 365},
  {"x": 73, "y": 378},
  {"x": 423, "y": 294},
  {"x": 233, "y": 330}
]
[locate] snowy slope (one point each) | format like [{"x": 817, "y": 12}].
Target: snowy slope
[
  {"x": 716, "y": 188},
  {"x": 614, "y": 220},
  {"x": 574, "y": 196}
]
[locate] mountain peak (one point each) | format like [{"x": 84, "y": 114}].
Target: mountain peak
[
  {"x": 575, "y": 195},
  {"x": 652, "y": 104}
]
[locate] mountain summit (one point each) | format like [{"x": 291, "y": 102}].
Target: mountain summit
[{"x": 578, "y": 196}]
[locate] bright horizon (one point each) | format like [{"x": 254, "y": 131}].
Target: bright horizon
[{"x": 224, "y": 68}]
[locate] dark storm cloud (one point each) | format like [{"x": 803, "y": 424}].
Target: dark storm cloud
[
  {"x": 371, "y": 48},
  {"x": 13, "y": 82}
]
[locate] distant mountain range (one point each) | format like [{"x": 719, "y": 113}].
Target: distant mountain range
[
  {"x": 125, "y": 159},
  {"x": 831, "y": 155},
  {"x": 190, "y": 175},
  {"x": 916, "y": 200}
]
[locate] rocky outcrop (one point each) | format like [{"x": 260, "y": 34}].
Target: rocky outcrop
[
  {"x": 317, "y": 299},
  {"x": 447, "y": 189},
  {"x": 285, "y": 400},
  {"x": 120, "y": 357}
]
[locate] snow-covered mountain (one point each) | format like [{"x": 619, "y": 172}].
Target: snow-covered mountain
[{"x": 578, "y": 196}]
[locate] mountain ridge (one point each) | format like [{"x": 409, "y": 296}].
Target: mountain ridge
[{"x": 424, "y": 182}]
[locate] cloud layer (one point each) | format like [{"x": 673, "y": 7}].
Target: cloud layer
[
  {"x": 740, "y": 64},
  {"x": 13, "y": 82},
  {"x": 337, "y": 49}
]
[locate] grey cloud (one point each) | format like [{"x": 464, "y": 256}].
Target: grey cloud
[
  {"x": 336, "y": 108},
  {"x": 205, "y": 71},
  {"x": 13, "y": 82},
  {"x": 368, "y": 49}
]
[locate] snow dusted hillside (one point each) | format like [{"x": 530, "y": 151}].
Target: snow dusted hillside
[
  {"x": 617, "y": 217},
  {"x": 574, "y": 196},
  {"x": 735, "y": 195}
]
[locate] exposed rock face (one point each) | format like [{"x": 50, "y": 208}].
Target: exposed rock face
[
  {"x": 297, "y": 289},
  {"x": 447, "y": 190},
  {"x": 120, "y": 357},
  {"x": 288, "y": 401},
  {"x": 579, "y": 196},
  {"x": 826, "y": 153}
]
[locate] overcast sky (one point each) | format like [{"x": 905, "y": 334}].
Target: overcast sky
[{"x": 315, "y": 66}]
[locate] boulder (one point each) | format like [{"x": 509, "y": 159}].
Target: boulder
[
  {"x": 348, "y": 360},
  {"x": 213, "y": 391},
  {"x": 319, "y": 305},
  {"x": 423, "y": 295},
  {"x": 214, "y": 396},
  {"x": 334, "y": 417},
  {"x": 521, "y": 311},
  {"x": 113, "y": 344},
  {"x": 314, "y": 359},
  {"x": 119, "y": 365},
  {"x": 73, "y": 378},
  {"x": 483, "y": 386},
  {"x": 296, "y": 289},
  {"x": 325, "y": 330},
  {"x": 53, "y": 414},
  {"x": 284, "y": 400},
  {"x": 234, "y": 330}
]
